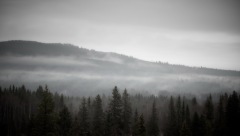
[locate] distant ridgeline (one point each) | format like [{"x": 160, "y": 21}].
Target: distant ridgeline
[
  {"x": 73, "y": 71},
  {"x": 41, "y": 113}
]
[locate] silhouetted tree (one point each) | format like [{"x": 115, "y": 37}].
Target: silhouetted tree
[
  {"x": 185, "y": 130},
  {"x": 98, "y": 117},
  {"x": 233, "y": 115},
  {"x": 46, "y": 118},
  {"x": 153, "y": 128},
  {"x": 83, "y": 119},
  {"x": 171, "y": 128},
  {"x": 135, "y": 124},
  {"x": 196, "y": 125},
  {"x": 126, "y": 113},
  {"x": 142, "y": 128},
  {"x": 209, "y": 115},
  {"x": 188, "y": 116},
  {"x": 220, "y": 127},
  {"x": 179, "y": 112},
  {"x": 115, "y": 112},
  {"x": 64, "y": 122}
]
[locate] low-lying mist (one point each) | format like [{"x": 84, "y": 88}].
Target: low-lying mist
[{"x": 90, "y": 72}]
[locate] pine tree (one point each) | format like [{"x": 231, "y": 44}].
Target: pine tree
[
  {"x": 89, "y": 102},
  {"x": 98, "y": 117},
  {"x": 83, "y": 119},
  {"x": 196, "y": 125},
  {"x": 233, "y": 115},
  {"x": 203, "y": 126},
  {"x": 46, "y": 119},
  {"x": 126, "y": 113},
  {"x": 153, "y": 128},
  {"x": 141, "y": 127},
  {"x": 115, "y": 112},
  {"x": 64, "y": 122},
  {"x": 135, "y": 125},
  {"x": 188, "y": 116},
  {"x": 179, "y": 112},
  {"x": 75, "y": 129},
  {"x": 220, "y": 128},
  {"x": 209, "y": 115},
  {"x": 61, "y": 102},
  {"x": 107, "y": 123},
  {"x": 171, "y": 128},
  {"x": 183, "y": 115},
  {"x": 209, "y": 109},
  {"x": 185, "y": 130}
]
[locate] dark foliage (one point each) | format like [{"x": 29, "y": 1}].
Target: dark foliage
[{"x": 42, "y": 113}]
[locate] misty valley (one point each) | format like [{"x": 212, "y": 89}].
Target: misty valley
[
  {"x": 71, "y": 70},
  {"x": 119, "y": 68},
  {"x": 91, "y": 93}
]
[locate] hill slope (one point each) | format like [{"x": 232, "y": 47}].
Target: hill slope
[{"x": 73, "y": 70}]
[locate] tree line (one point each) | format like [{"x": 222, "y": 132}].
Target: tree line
[{"x": 44, "y": 113}]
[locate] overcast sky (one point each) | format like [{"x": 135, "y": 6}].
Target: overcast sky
[{"x": 190, "y": 32}]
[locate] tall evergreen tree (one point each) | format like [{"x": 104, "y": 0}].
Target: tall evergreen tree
[
  {"x": 98, "y": 117},
  {"x": 64, "y": 122},
  {"x": 46, "y": 119},
  {"x": 220, "y": 127},
  {"x": 185, "y": 130},
  {"x": 135, "y": 124},
  {"x": 115, "y": 111},
  {"x": 107, "y": 123},
  {"x": 183, "y": 116},
  {"x": 75, "y": 129},
  {"x": 153, "y": 128},
  {"x": 209, "y": 115},
  {"x": 171, "y": 128},
  {"x": 187, "y": 116},
  {"x": 83, "y": 119},
  {"x": 126, "y": 113},
  {"x": 233, "y": 115},
  {"x": 209, "y": 109},
  {"x": 141, "y": 127},
  {"x": 196, "y": 125},
  {"x": 179, "y": 112}
]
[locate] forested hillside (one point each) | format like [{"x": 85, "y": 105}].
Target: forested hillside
[
  {"x": 41, "y": 112},
  {"x": 72, "y": 70}
]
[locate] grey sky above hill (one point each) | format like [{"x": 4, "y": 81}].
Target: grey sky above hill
[{"x": 190, "y": 32}]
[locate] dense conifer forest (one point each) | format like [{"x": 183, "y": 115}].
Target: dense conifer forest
[{"x": 44, "y": 113}]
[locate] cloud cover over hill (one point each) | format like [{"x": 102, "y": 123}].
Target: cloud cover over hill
[{"x": 72, "y": 70}]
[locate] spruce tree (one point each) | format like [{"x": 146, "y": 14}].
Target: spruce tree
[
  {"x": 185, "y": 130},
  {"x": 107, "y": 123},
  {"x": 220, "y": 127},
  {"x": 64, "y": 122},
  {"x": 126, "y": 113},
  {"x": 188, "y": 116},
  {"x": 183, "y": 115},
  {"x": 135, "y": 124},
  {"x": 196, "y": 125},
  {"x": 141, "y": 127},
  {"x": 179, "y": 112},
  {"x": 233, "y": 115},
  {"x": 171, "y": 127},
  {"x": 83, "y": 119},
  {"x": 115, "y": 112},
  {"x": 46, "y": 119},
  {"x": 98, "y": 117},
  {"x": 209, "y": 109},
  {"x": 209, "y": 115},
  {"x": 153, "y": 128}
]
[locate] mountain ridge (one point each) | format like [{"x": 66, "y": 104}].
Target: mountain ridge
[
  {"x": 71, "y": 50},
  {"x": 73, "y": 69}
]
